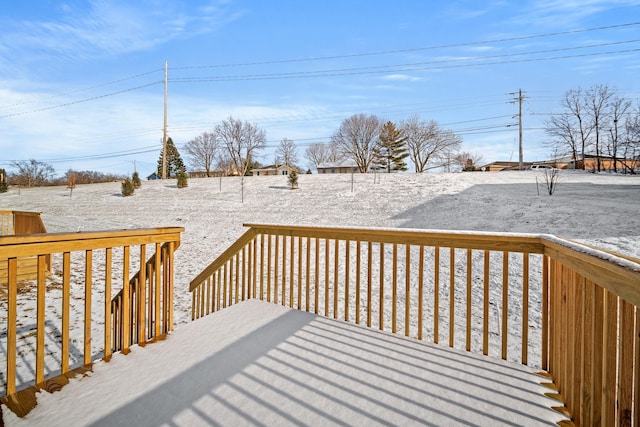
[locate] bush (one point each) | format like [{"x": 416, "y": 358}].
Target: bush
[
  {"x": 182, "y": 179},
  {"x": 135, "y": 180},
  {"x": 127, "y": 187}
]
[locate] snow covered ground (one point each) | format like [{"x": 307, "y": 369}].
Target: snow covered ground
[{"x": 599, "y": 209}]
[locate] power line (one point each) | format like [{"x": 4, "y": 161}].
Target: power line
[
  {"x": 79, "y": 90},
  {"x": 378, "y": 70},
  {"x": 66, "y": 104},
  {"x": 355, "y": 55}
]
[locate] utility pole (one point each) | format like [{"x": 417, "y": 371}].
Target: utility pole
[
  {"x": 164, "y": 131},
  {"x": 519, "y": 98}
]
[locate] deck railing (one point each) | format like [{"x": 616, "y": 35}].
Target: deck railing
[
  {"x": 86, "y": 267},
  {"x": 542, "y": 301}
]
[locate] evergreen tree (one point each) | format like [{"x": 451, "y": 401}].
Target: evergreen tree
[
  {"x": 135, "y": 180},
  {"x": 127, "y": 187},
  {"x": 391, "y": 149},
  {"x": 174, "y": 161},
  {"x": 182, "y": 179},
  {"x": 293, "y": 179},
  {"x": 4, "y": 186}
]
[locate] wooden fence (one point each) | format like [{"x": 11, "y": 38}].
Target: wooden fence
[
  {"x": 86, "y": 266},
  {"x": 536, "y": 299}
]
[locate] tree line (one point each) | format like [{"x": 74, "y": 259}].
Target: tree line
[
  {"x": 599, "y": 122},
  {"x": 33, "y": 173},
  {"x": 371, "y": 143}
]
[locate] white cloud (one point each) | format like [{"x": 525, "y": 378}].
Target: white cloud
[
  {"x": 400, "y": 77},
  {"x": 109, "y": 28}
]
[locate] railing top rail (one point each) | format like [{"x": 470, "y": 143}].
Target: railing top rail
[
  {"x": 33, "y": 244},
  {"x": 11, "y": 212},
  {"x": 222, "y": 258},
  {"x": 516, "y": 242}
]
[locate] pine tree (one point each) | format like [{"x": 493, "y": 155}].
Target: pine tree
[
  {"x": 182, "y": 179},
  {"x": 293, "y": 179},
  {"x": 391, "y": 150},
  {"x": 135, "y": 180},
  {"x": 127, "y": 187},
  {"x": 4, "y": 186},
  {"x": 174, "y": 161}
]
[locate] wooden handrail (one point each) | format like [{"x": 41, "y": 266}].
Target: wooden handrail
[
  {"x": 459, "y": 286},
  {"x": 93, "y": 259}
]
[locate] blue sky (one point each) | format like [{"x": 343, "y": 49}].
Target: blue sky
[{"x": 81, "y": 81}]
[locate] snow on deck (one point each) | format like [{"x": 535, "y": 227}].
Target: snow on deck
[{"x": 258, "y": 363}]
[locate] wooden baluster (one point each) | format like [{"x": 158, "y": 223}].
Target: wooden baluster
[
  {"x": 317, "y": 275},
  {"x": 505, "y": 302},
  {"x": 335, "y": 278},
  {"x": 126, "y": 320},
  {"x": 299, "y": 272},
  {"x": 369, "y": 282},
  {"x": 66, "y": 302},
  {"x": 381, "y": 289},
  {"x": 485, "y": 302},
  {"x": 469, "y": 293},
  {"x": 420, "y": 291},
  {"x": 261, "y": 267},
  {"x": 88, "y": 285},
  {"x": 308, "y": 275},
  {"x": 545, "y": 313},
  {"x": 452, "y": 295},
  {"x": 358, "y": 267},
  {"x": 158, "y": 292},
  {"x": 525, "y": 308},
  {"x": 108, "y": 328},
  {"x": 142, "y": 298},
  {"x": 436, "y": 294},
  {"x": 275, "y": 273},
  {"x": 40, "y": 320},
  {"x": 347, "y": 262},
  {"x": 407, "y": 290},
  {"x": 12, "y": 321},
  {"x": 291, "y": 270},
  {"x": 268, "y": 268},
  {"x": 284, "y": 270},
  {"x": 394, "y": 288},
  {"x": 326, "y": 277}
]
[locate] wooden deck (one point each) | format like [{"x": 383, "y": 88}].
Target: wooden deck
[{"x": 258, "y": 363}]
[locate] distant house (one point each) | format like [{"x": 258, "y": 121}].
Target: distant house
[
  {"x": 273, "y": 170},
  {"x": 346, "y": 166},
  {"x": 153, "y": 177},
  {"x": 504, "y": 166},
  {"x": 199, "y": 174},
  {"x": 590, "y": 162}
]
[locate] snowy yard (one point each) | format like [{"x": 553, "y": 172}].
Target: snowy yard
[{"x": 597, "y": 209}]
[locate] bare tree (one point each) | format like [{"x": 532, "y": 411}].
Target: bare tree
[
  {"x": 356, "y": 139},
  {"x": 427, "y": 141},
  {"x": 287, "y": 152},
  {"x": 241, "y": 140},
  {"x": 31, "y": 173},
  {"x": 631, "y": 142},
  {"x": 467, "y": 161},
  {"x": 203, "y": 151},
  {"x": 573, "y": 128},
  {"x": 318, "y": 153},
  {"x": 565, "y": 134},
  {"x": 598, "y": 98},
  {"x": 619, "y": 108}
]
